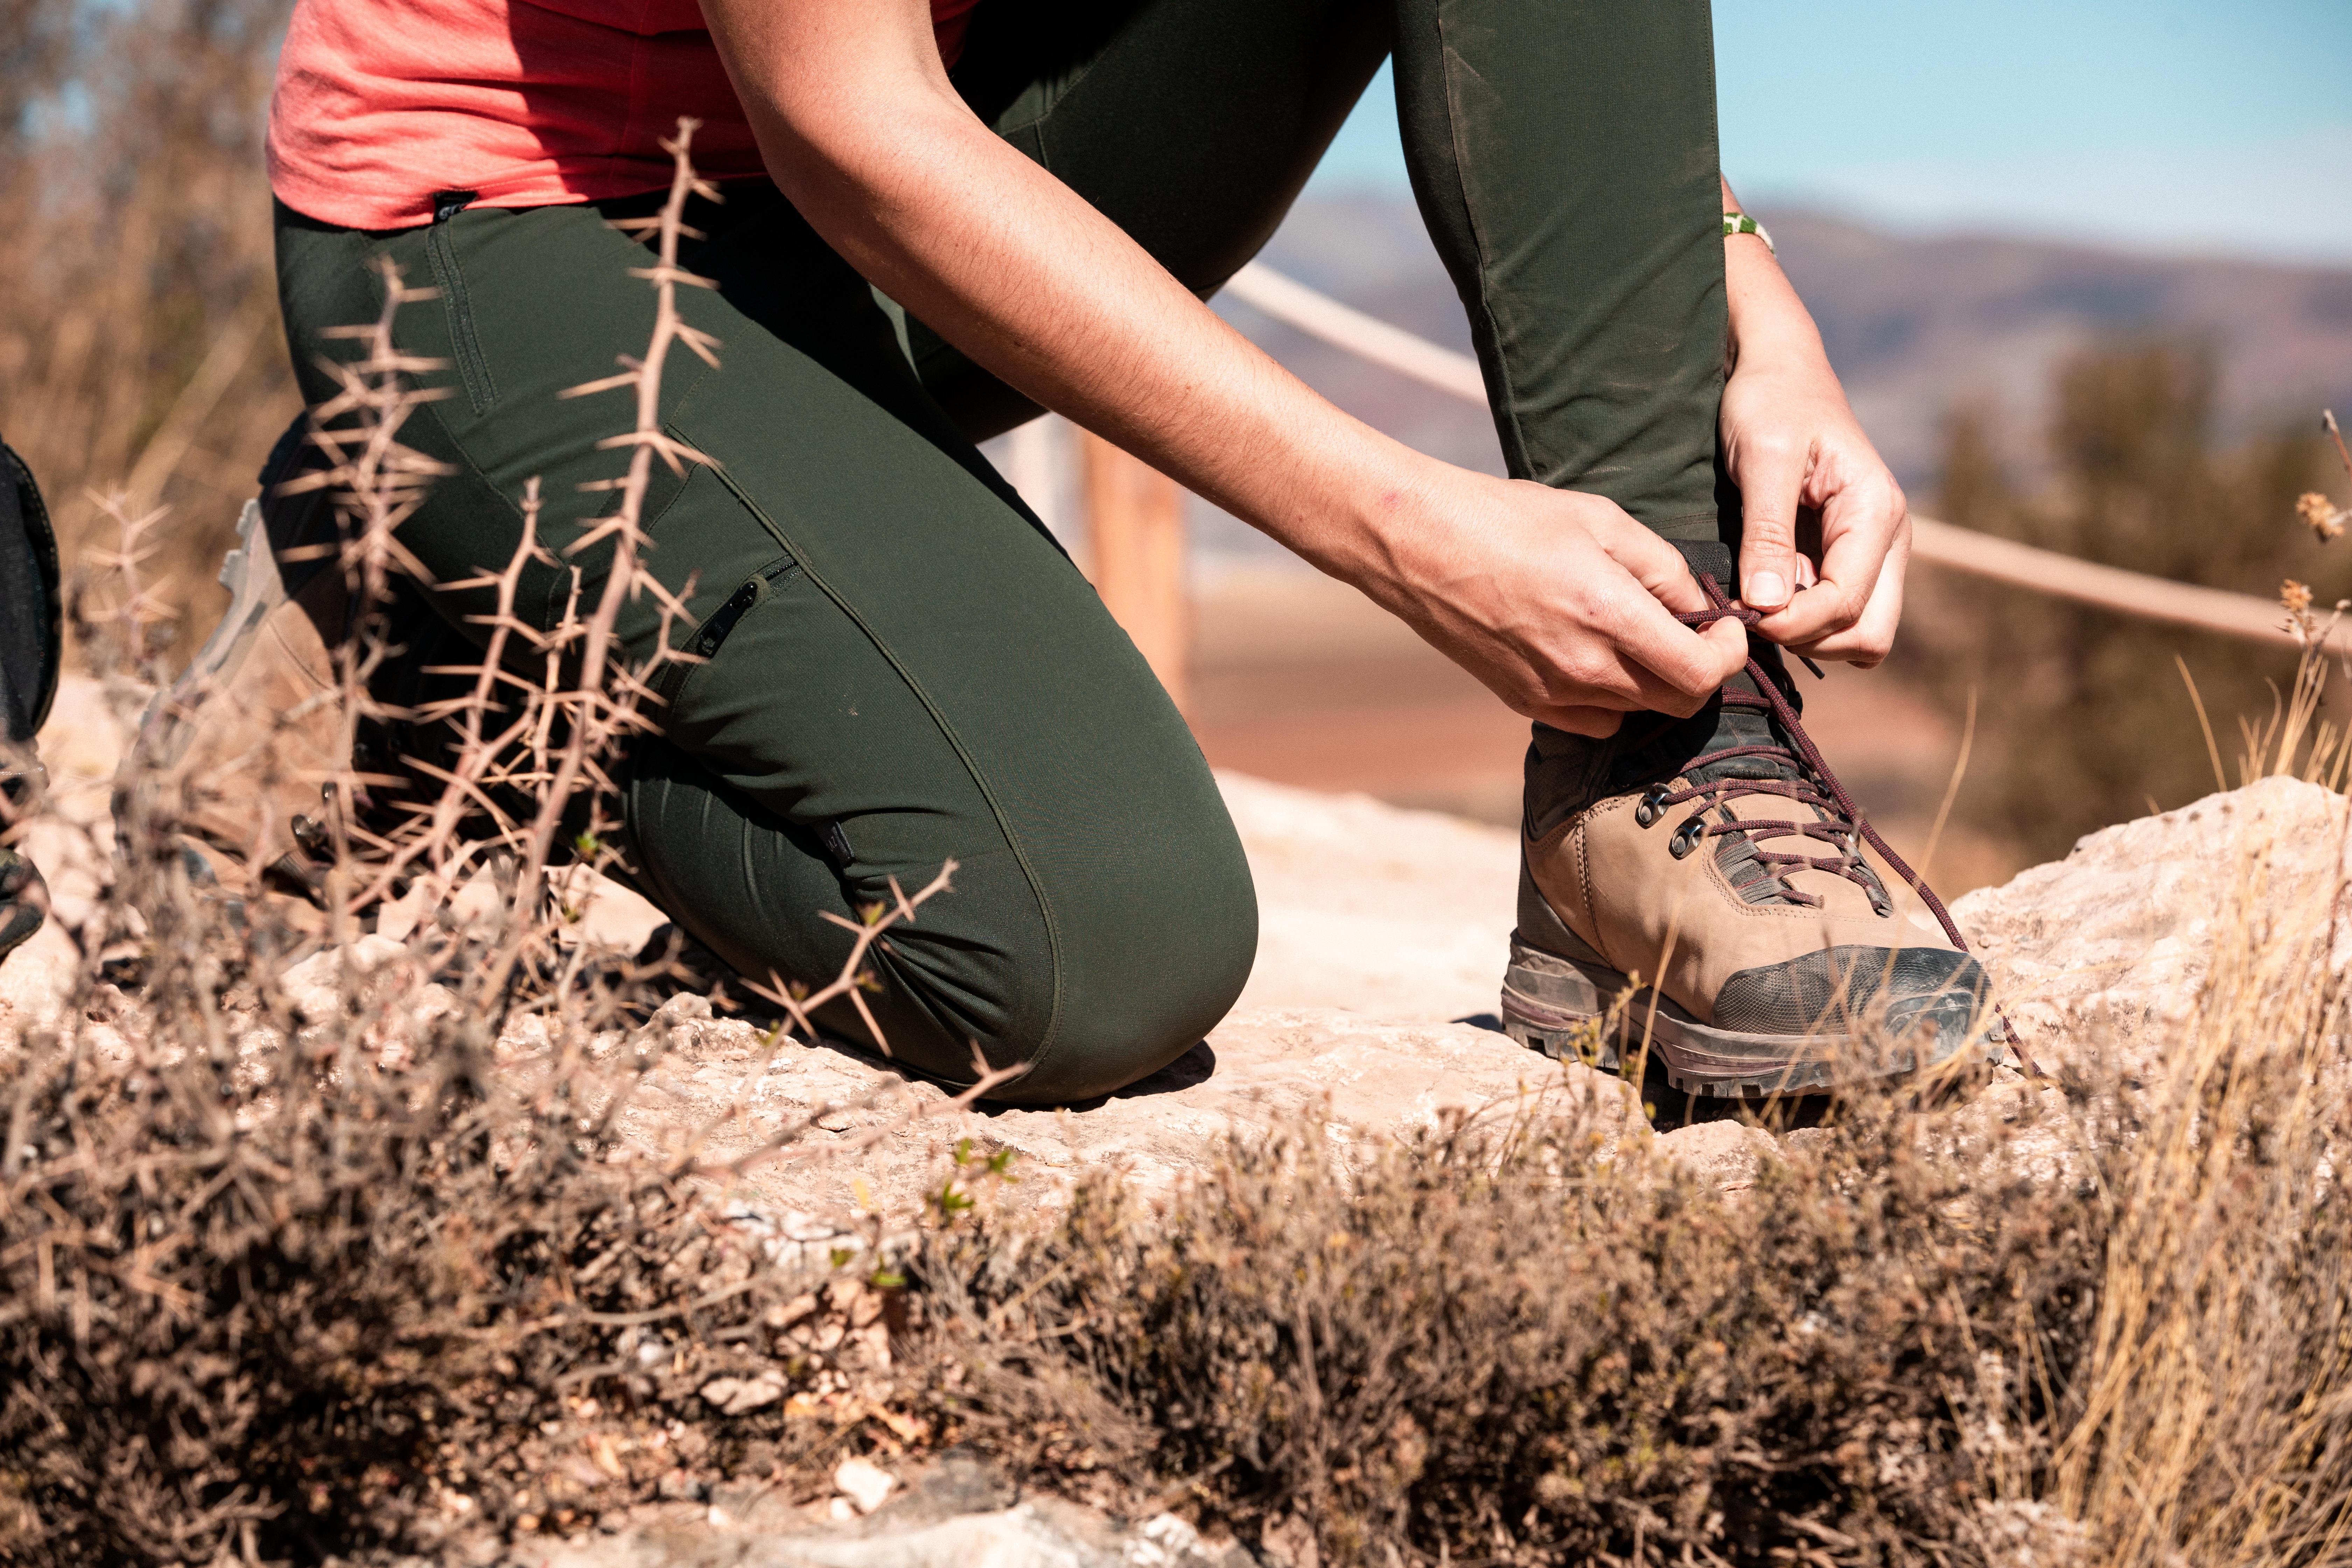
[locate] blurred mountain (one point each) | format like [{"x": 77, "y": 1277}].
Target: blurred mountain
[{"x": 1914, "y": 324}]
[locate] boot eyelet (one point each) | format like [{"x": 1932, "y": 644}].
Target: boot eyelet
[
  {"x": 1686, "y": 837},
  {"x": 311, "y": 835},
  {"x": 1651, "y": 806}
]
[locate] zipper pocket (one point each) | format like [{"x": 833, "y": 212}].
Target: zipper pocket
[{"x": 708, "y": 636}]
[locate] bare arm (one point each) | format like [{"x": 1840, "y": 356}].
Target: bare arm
[
  {"x": 1558, "y": 601},
  {"x": 1795, "y": 447}
]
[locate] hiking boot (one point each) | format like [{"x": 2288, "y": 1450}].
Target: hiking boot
[
  {"x": 236, "y": 755},
  {"x": 31, "y": 625},
  {"x": 1781, "y": 947},
  {"x": 24, "y": 899},
  {"x": 24, "y": 896}
]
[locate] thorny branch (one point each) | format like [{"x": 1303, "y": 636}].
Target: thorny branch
[
  {"x": 800, "y": 1005},
  {"x": 602, "y": 709}
]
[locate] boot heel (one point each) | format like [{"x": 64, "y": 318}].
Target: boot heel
[{"x": 1553, "y": 1005}]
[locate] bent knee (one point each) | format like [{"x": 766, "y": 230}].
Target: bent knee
[
  {"x": 1142, "y": 977},
  {"x": 1082, "y": 981}
]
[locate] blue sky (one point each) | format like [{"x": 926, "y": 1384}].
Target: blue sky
[{"x": 2224, "y": 127}]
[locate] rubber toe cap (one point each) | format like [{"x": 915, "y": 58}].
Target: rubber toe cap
[{"x": 1840, "y": 989}]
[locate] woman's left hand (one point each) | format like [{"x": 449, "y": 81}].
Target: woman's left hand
[{"x": 1826, "y": 534}]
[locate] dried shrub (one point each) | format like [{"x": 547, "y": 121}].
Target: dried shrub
[
  {"x": 1484, "y": 1348},
  {"x": 2094, "y": 725},
  {"x": 287, "y": 1298},
  {"x": 140, "y": 343},
  {"x": 2100, "y": 1321}
]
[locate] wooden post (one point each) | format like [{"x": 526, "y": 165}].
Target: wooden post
[{"x": 1135, "y": 532}]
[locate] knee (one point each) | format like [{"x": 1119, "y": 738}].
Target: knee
[
  {"x": 1088, "y": 963},
  {"x": 1143, "y": 972}
]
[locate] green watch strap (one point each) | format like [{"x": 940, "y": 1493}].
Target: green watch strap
[{"x": 1740, "y": 222}]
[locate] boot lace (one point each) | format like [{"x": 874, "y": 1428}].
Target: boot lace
[{"x": 1839, "y": 824}]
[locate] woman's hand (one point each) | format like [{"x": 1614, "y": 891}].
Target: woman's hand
[
  {"x": 1558, "y": 601},
  {"x": 1826, "y": 534}
]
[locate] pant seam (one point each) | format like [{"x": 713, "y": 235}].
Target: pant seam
[
  {"x": 1502, "y": 396},
  {"x": 473, "y": 365},
  {"x": 972, "y": 769}
]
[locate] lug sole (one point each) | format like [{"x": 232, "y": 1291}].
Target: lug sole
[{"x": 1560, "y": 1006}]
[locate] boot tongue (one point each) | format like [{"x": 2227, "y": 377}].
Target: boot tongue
[
  {"x": 1721, "y": 726},
  {"x": 1740, "y": 725}
]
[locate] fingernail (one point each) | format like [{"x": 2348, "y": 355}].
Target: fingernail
[{"x": 1767, "y": 589}]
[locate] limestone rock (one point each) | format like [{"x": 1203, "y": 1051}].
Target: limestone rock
[
  {"x": 877, "y": 1141},
  {"x": 1726, "y": 1155},
  {"x": 2105, "y": 948},
  {"x": 959, "y": 1513},
  {"x": 864, "y": 1483},
  {"x": 1012, "y": 1538},
  {"x": 316, "y": 987}
]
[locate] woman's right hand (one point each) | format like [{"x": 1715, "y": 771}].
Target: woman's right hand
[{"x": 1558, "y": 601}]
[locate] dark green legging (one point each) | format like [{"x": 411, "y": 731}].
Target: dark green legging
[{"x": 902, "y": 665}]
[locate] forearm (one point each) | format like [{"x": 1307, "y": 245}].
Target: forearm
[
  {"x": 1557, "y": 600},
  {"x": 1768, "y": 319}
]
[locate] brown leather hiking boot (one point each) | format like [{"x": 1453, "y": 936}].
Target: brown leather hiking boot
[
  {"x": 1782, "y": 948},
  {"x": 24, "y": 896},
  {"x": 236, "y": 755},
  {"x": 31, "y": 622}
]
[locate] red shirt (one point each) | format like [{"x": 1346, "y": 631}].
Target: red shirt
[{"x": 379, "y": 104}]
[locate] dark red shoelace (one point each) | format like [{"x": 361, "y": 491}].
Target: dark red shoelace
[{"x": 1841, "y": 830}]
